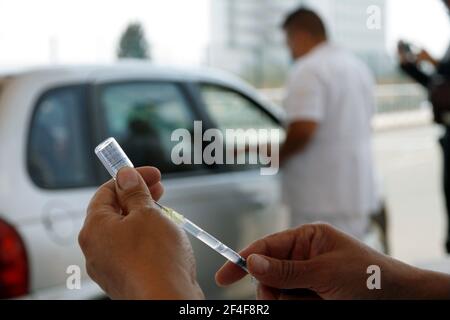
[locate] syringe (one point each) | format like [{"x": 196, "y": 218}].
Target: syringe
[{"x": 114, "y": 158}]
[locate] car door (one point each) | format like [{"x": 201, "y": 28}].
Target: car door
[
  {"x": 60, "y": 166},
  {"x": 142, "y": 115},
  {"x": 253, "y": 201}
]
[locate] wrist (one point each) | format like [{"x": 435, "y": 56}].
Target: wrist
[
  {"x": 166, "y": 287},
  {"x": 415, "y": 283},
  {"x": 433, "y": 285},
  {"x": 172, "y": 292}
]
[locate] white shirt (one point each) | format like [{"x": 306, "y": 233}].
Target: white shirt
[{"x": 334, "y": 174}]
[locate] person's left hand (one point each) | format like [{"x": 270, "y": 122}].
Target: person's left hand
[{"x": 133, "y": 251}]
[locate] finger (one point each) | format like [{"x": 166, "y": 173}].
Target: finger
[
  {"x": 104, "y": 202},
  {"x": 282, "y": 274},
  {"x": 152, "y": 178},
  {"x": 151, "y": 175},
  {"x": 278, "y": 245},
  {"x": 103, "y": 208},
  {"x": 157, "y": 191},
  {"x": 132, "y": 191},
  {"x": 228, "y": 274}
]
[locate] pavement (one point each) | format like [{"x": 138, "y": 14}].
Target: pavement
[{"x": 409, "y": 162}]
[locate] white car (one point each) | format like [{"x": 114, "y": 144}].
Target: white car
[{"x": 51, "y": 119}]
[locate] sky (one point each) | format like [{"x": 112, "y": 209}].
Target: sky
[
  {"x": 422, "y": 22},
  {"x": 87, "y": 31},
  {"x": 36, "y": 32}
]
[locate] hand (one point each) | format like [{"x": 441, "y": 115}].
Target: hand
[
  {"x": 332, "y": 265},
  {"x": 132, "y": 251},
  {"x": 414, "y": 55},
  {"x": 425, "y": 56}
]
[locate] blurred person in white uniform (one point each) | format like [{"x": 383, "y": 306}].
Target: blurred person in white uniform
[{"x": 327, "y": 166}]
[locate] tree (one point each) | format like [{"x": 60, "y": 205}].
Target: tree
[{"x": 132, "y": 43}]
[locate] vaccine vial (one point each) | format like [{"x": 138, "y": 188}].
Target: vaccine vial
[{"x": 112, "y": 156}]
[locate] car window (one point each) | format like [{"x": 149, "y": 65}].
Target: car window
[
  {"x": 58, "y": 140},
  {"x": 142, "y": 116},
  {"x": 231, "y": 110}
]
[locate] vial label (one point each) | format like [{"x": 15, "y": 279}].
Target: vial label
[{"x": 112, "y": 156}]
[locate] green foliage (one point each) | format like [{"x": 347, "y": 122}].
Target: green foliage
[{"x": 133, "y": 44}]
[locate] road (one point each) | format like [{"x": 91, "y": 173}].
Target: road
[{"x": 409, "y": 163}]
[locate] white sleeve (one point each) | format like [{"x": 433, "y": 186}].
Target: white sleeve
[{"x": 305, "y": 97}]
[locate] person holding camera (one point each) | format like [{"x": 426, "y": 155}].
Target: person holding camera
[{"x": 438, "y": 85}]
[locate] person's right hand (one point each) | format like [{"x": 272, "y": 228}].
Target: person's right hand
[
  {"x": 424, "y": 55},
  {"x": 331, "y": 264},
  {"x": 132, "y": 250},
  {"x": 414, "y": 55}
]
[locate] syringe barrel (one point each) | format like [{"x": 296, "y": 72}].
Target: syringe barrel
[
  {"x": 114, "y": 158},
  {"x": 213, "y": 243}
]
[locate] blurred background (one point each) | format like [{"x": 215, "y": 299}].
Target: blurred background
[{"x": 244, "y": 38}]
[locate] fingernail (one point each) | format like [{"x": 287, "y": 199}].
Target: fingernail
[
  {"x": 127, "y": 178},
  {"x": 259, "y": 265}
]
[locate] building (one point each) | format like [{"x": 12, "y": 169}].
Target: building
[{"x": 246, "y": 37}]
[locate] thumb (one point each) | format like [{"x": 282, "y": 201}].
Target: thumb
[
  {"x": 132, "y": 191},
  {"x": 281, "y": 274}
]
